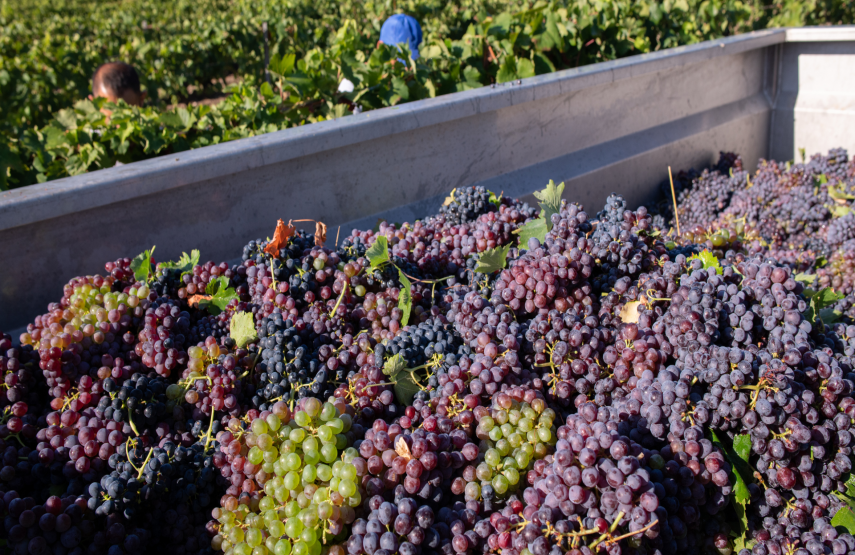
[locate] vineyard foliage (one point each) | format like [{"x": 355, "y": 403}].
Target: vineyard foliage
[{"x": 195, "y": 50}]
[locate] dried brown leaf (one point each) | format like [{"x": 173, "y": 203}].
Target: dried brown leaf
[
  {"x": 450, "y": 198},
  {"x": 320, "y": 234},
  {"x": 629, "y": 312},
  {"x": 196, "y": 299},
  {"x": 280, "y": 237},
  {"x": 402, "y": 448}
]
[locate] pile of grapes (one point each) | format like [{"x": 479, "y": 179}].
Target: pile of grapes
[{"x": 495, "y": 378}]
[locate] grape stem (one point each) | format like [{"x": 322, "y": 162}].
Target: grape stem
[
  {"x": 608, "y": 534},
  {"x": 674, "y": 197},
  {"x": 630, "y": 534},
  {"x": 131, "y": 422},
  {"x": 210, "y": 427},
  {"x": 340, "y": 297},
  {"x": 18, "y": 437}
]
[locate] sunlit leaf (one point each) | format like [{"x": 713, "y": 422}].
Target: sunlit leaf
[
  {"x": 405, "y": 298},
  {"x": 709, "y": 261},
  {"x": 533, "y": 229},
  {"x": 493, "y": 260},
  {"x": 378, "y": 253},
  {"x": 242, "y": 329},
  {"x": 394, "y": 365},
  {"x": 142, "y": 266}
]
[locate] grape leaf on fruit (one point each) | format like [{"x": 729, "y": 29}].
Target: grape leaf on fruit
[
  {"x": 844, "y": 518},
  {"x": 405, "y": 297},
  {"x": 839, "y": 211},
  {"x": 142, "y": 265},
  {"x": 850, "y": 486},
  {"x": 830, "y": 316},
  {"x": 849, "y": 496},
  {"x": 741, "y": 470},
  {"x": 629, "y": 312},
  {"x": 740, "y": 543},
  {"x": 185, "y": 263},
  {"x": 242, "y": 329},
  {"x": 825, "y": 297},
  {"x": 280, "y": 238},
  {"x": 493, "y": 260},
  {"x": 495, "y": 199},
  {"x": 378, "y": 253},
  {"x": 215, "y": 284},
  {"x": 742, "y": 446},
  {"x": 551, "y": 201},
  {"x": 839, "y": 195},
  {"x": 221, "y": 295},
  {"x": 534, "y": 228},
  {"x": 805, "y": 278},
  {"x": 405, "y": 387},
  {"x": 709, "y": 260},
  {"x": 394, "y": 365}
]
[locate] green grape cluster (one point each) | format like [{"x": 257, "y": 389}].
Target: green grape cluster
[
  {"x": 513, "y": 436},
  {"x": 311, "y": 487}
]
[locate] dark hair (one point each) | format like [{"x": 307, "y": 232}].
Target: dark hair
[{"x": 117, "y": 77}]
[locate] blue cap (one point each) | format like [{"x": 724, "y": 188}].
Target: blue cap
[{"x": 402, "y": 28}]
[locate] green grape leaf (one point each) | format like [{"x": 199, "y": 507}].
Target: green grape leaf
[
  {"x": 242, "y": 329},
  {"x": 394, "y": 365},
  {"x": 821, "y": 261},
  {"x": 740, "y": 542},
  {"x": 405, "y": 387},
  {"x": 221, "y": 295},
  {"x": 837, "y": 193},
  {"x": 822, "y": 179},
  {"x": 405, "y": 298},
  {"x": 709, "y": 260},
  {"x": 826, "y": 297},
  {"x": 838, "y": 211},
  {"x": 742, "y": 471},
  {"x": 742, "y": 446},
  {"x": 550, "y": 198},
  {"x": 185, "y": 263},
  {"x": 830, "y": 316},
  {"x": 848, "y": 499},
  {"x": 493, "y": 260},
  {"x": 496, "y": 200},
  {"x": 534, "y": 228},
  {"x": 844, "y": 518},
  {"x": 508, "y": 70},
  {"x": 142, "y": 266},
  {"x": 378, "y": 253},
  {"x": 805, "y": 278},
  {"x": 850, "y": 485},
  {"x": 58, "y": 489}
]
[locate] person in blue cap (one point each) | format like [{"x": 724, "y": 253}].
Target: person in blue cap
[
  {"x": 398, "y": 29},
  {"x": 402, "y": 28}
]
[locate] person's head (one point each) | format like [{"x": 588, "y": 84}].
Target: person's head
[
  {"x": 118, "y": 80},
  {"x": 402, "y": 28}
]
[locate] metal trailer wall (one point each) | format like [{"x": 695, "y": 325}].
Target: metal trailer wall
[{"x": 613, "y": 126}]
